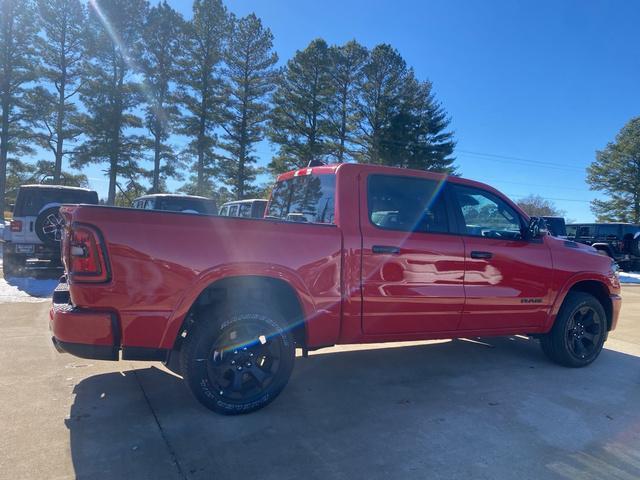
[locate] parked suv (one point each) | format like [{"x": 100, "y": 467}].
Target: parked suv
[
  {"x": 177, "y": 203},
  {"x": 250, "y": 208},
  {"x": 620, "y": 241},
  {"x": 556, "y": 226},
  {"x": 32, "y": 240}
]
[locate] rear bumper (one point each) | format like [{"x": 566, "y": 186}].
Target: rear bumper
[
  {"x": 93, "y": 334},
  {"x": 616, "y": 304},
  {"x": 84, "y": 333}
]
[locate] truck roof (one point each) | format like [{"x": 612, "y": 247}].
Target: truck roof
[{"x": 54, "y": 187}]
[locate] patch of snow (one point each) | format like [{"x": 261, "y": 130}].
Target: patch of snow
[
  {"x": 630, "y": 277},
  {"x": 26, "y": 289}
]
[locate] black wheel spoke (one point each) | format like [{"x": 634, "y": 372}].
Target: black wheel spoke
[
  {"x": 236, "y": 385},
  {"x": 579, "y": 346},
  {"x": 259, "y": 374},
  {"x": 590, "y": 336}
]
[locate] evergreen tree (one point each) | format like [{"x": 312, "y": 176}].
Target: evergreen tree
[
  {"x": 161, "y": 48},
  {"x": 18, "y": 67},
  {"x": 415, "y": 135},
  {"x": 250, "y": 78},
  {"x": 299, "y": 120},
  {"x": 110, "y": 91},
  {"x": 61, "y": 50},
  {"x": 346, "y": 73},
  {"x": 201, "y": 87},
  {"x": 616, "y": 172},
  {"x": 380, "y": 94}
]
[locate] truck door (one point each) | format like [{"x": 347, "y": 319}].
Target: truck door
[
  {"x": 412, "y": 265},
  {"x": 507, "y": 279}
]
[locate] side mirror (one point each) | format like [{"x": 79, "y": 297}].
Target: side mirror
[{"x": 537, "y": 228}]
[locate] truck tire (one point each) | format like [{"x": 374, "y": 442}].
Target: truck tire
[
  {"x": 237, "y": 358},
  {"x": 635, "y": 246},
  {"x": 578, "y": 333}
]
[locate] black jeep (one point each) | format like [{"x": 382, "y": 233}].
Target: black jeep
[{"x": 620, "y": 241}]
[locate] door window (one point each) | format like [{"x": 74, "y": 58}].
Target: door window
[
  {"x": 407, "y": 204},
  {"x": 486, "y": 215},
  {"x": 233, "y": 210}
]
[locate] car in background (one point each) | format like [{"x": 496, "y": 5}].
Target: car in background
[
  {"x": 620, "y": 241},
  {"x": 250, "y": 208},
  {"x": 177, "y": 203},
  {"x": 32, "y": 238},
  {"x": 556, "y": 226}
]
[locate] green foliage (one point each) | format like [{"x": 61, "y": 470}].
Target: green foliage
[
  {"x": 61, "y": 51},
  {"x": 616, "y": 172},
  {"x": 347, "y": 62},
  {"x": 401, "y": 124},
  {"x": 201, "y": 86},
  {"x": 250, "y": 75},
  {"x": 536, "y": 206},
  {"x": 111, "y": 92},
  {"x": 299, "y": 120},
  {"x": 18, "y": 67},
  {"x": 161, "y": 36}
]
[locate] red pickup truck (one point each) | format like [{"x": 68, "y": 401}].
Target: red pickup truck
[{"x": 345, "y": 254}]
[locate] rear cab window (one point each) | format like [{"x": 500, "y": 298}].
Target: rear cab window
[{"x": 304, "y": 198}]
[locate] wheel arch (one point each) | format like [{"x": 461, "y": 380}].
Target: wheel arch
[
  {"x": 259, "y": 287},
  {"x": 594, "y": 287}
]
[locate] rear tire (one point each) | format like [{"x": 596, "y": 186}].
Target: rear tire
[
  {"x": 237, "y": 358},
  {"x": 579, "y": 332}
]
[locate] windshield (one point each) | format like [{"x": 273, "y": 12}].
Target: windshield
[{"x": 306, "y": 198}]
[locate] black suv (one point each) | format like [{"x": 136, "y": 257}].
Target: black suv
[
  {"x": 620, "y": 241},
  {"x": 32, "y": 239}
]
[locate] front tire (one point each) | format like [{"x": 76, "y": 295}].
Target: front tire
[
  {"x": 237, "y": 358},
  {"x": 579, "y": 332}
]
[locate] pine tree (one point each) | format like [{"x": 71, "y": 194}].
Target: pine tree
[
  {"x": 110, "y": 91},
  {"x": 400, "y": 122},
  {"x": 201, "y": 88},
  {"x": 380, "y": 94},
  {"x": 61, "y": 51},
  {"x": 250, "y": 78},
  {"x": 18, "y": 67},
  {"x": 299, "y": 120},
  {"x": 616, "y": 172},
  {"x": 347, "y": 62},
  {"x": 161, "y": 49},
  {"x": 415, "y": 135}
]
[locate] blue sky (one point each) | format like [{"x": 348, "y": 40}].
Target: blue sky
[{"x": 532, "y": 88}]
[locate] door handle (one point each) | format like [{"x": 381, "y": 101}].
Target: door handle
[
  {"x": 481, "y": 255},
  {"x": 385, "y": 249}
]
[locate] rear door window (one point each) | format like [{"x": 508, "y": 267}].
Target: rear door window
[
  {"x": 407, "y": 204},
  {"x": 606, "y": 231},
  {"x": 245, "y": 210}
]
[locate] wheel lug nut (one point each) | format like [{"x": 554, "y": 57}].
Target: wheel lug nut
[
  {"x": 233, "y": 362},
  {"x": 239, "y": 368}
]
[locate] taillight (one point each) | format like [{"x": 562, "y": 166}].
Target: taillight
[
  {"x": 16, "y": 225},
  {"x": 86, "y": 259}
]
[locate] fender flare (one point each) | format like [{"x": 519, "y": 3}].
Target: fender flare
[
  {"x": 221, "y": 272},
  {"x": 568, "y": 285},
  {"x": 603, "y": 246}
]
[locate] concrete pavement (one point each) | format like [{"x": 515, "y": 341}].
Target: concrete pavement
[{"x": 456, "y": 409}]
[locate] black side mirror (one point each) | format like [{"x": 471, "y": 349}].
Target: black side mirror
[{"x": 537, "y": 228}]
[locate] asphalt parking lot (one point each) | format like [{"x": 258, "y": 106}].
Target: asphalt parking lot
[{"x": 490, "y": 409}]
